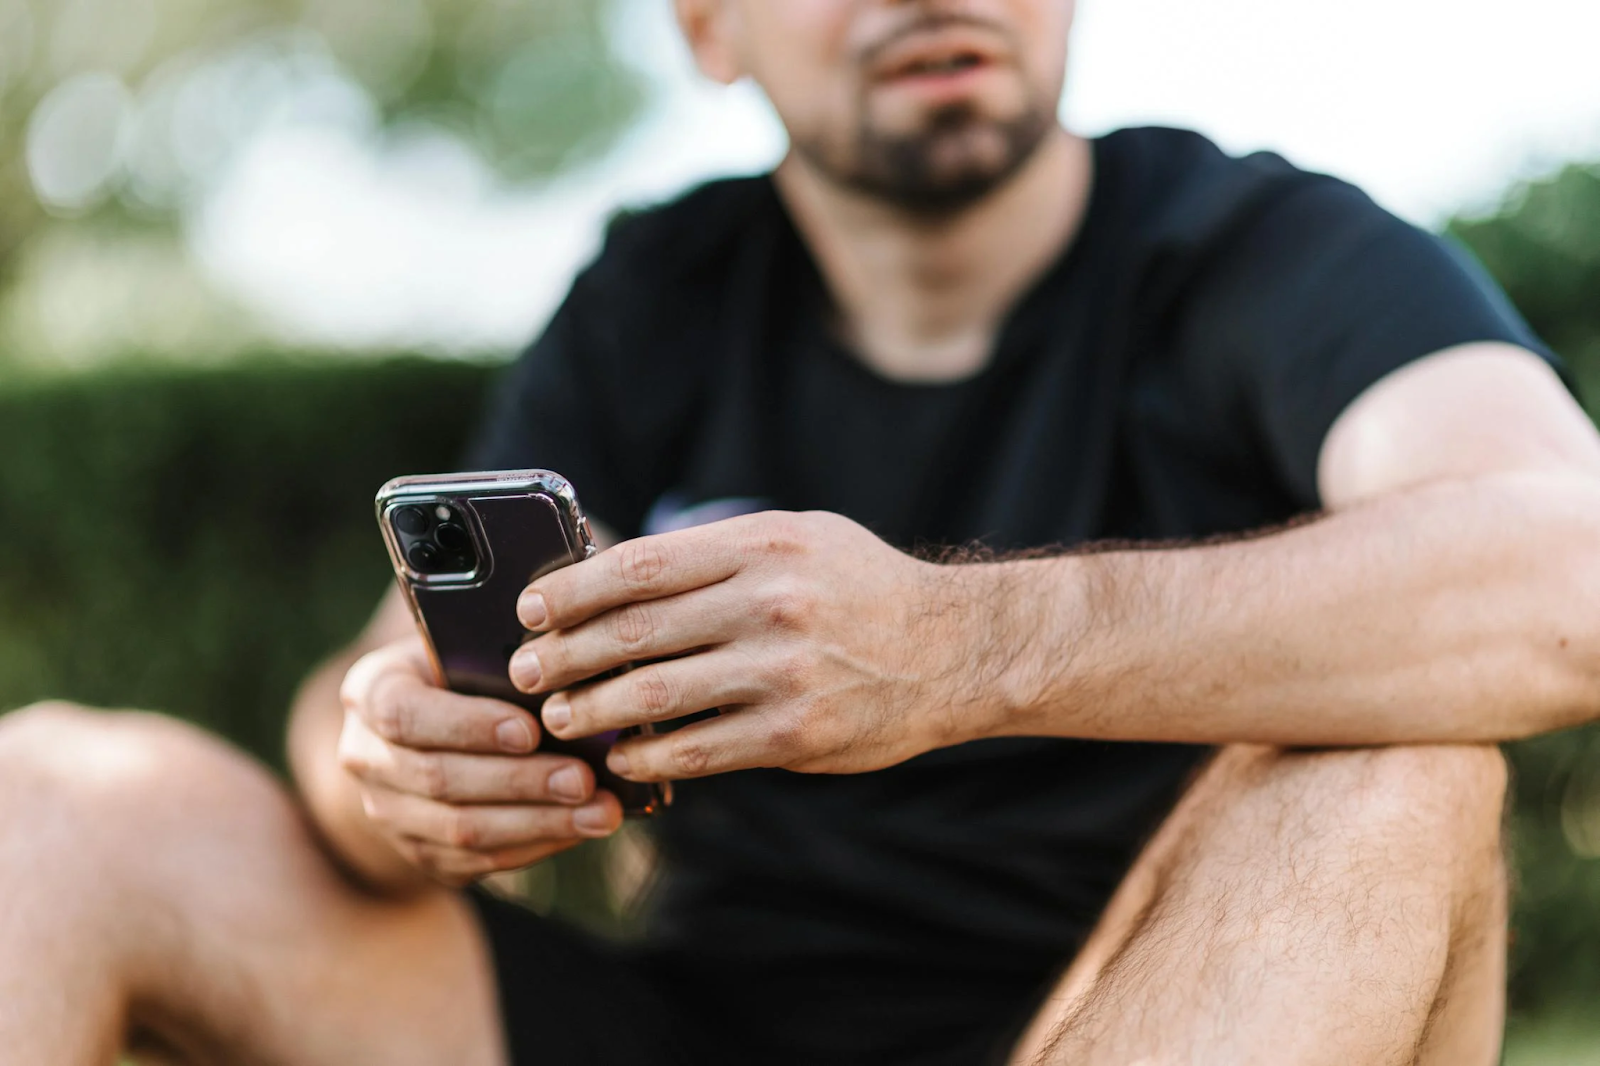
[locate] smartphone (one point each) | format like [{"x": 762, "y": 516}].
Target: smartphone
[{"x": 464, "y": 546}]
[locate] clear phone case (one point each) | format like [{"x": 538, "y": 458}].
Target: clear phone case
[{"x": 464, "y": 546}]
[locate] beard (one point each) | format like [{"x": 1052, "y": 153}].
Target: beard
[{"x": 957, "y": 158}]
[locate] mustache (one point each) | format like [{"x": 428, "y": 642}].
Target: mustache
[{"x": 927, "y": 21}]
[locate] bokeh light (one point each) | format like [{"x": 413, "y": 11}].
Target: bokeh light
[{"x": 75, "y": 140}]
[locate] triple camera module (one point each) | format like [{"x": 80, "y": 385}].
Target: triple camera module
[{"x": 434, "y": 538}]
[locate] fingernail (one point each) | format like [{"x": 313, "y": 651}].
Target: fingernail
[
  {"x": 567, "y": 784},
  {"x": 531, "y": 609},
  {"x": 618, "y": 763},
  {"x": 526, "y": 673},
  {"x": 557, "y": 713},
  {"x": 592, "y": 821},
  {"x": 514, "y": 736}
]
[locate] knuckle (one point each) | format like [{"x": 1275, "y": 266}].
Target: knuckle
[
  {"x": 790, "y": 734},
  {"x": 640, "y": 563},
  {"x": 353, "y": 761},
  {"x": 689, "y": 755},
  {"x": 461, "y": 829},
  {"x": 377, "y": 810},
  {"x": 787, "y": 606},
  {"x": 791, "y": 673},
  {"x": 633, "y": 626},
  {"x": 469, "y": 866},
  {"x": 782, "y": 533},
  {"x": 413, "y": 853},
  {"x": 450, "y": 867},
  {"x": 653, "y": 693},
  {"x": 431, "y": 776},
  {"x": 384, "y": 718},
  {"x": 389, "y": 712}
]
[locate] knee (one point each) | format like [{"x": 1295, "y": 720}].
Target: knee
[
  {"x": 1459, "y": 787},
  {"x": 1438, "y": 802},
  {"x": 109, "y": 769}
]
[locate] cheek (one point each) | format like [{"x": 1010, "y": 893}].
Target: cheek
[
  {"x": 1041, "y": 29},
  {"x": 799, "y": 52}
]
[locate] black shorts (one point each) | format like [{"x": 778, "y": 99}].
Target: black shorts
[
  {"x": 568, "y": 998},
  {"x": 571, "y": 999}
]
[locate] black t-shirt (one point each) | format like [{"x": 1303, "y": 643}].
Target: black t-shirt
[{"x": 1172, "y": 375}]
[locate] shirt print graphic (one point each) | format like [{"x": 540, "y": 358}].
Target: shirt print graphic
[{"x": 675, "y": 511}]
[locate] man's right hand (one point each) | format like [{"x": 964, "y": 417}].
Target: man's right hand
[{"x": 453, "y": 783}]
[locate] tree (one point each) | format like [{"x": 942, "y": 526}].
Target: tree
[{"x": 116, "y": 113}]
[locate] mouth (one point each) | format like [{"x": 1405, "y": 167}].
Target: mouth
[
  {"x": 925, "y": 68},
  {"x": 934, "y": 55}
]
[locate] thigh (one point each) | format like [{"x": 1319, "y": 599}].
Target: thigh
[
  {"x": 1125, "y": 913},
  {"x": 1366, "y": 886}
]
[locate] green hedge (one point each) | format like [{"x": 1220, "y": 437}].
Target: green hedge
[{"x": 195, "y": 540}]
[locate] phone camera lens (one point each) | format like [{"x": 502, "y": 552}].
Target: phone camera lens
[
  {"x": 453, "y": 538},
  {"x": 423, "y": 557},
  {"x": 412, "y": 521}
]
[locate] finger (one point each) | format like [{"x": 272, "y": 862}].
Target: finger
[
  {"x": 450, "y": 777},
  {"x": 741, "y": 740},
  {"x": 646, "y": 568},
  {"x": 658, "y": 692},
  {"x": 631, "y": 633},
  {"x": 402, "y": 657},
  {"x": 404, "y": 709},
  {"x": 457, "y": 868},
  {"x": 483, "y": 827}
]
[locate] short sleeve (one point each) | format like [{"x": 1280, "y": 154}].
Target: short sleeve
[{"x": 1313, "y": 301}]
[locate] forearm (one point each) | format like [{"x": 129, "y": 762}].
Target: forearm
[
  {"x": 1466, "y": 611},
  {"x": 331, "y": 795}
]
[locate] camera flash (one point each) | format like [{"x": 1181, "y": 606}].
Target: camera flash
[{"x": 442, "y": 513}]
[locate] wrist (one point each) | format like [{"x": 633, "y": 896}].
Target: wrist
[
  {"x": 995, "y": 641},
  {"x": 1031, "y": 653}
]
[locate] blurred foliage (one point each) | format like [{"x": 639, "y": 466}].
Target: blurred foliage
[
  {"x": 119, "y": 112},
  {"x": 1544, "y": 247}
]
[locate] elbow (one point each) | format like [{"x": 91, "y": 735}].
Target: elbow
[
  {"x": 1560, "y": 640},
  {"x": 1565, "y": 685},
  {"x": 1564, "y": 653}
]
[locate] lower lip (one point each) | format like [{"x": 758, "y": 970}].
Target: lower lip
[{"x": 943, "y": 86}]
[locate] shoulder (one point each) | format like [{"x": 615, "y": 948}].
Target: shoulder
[{"x": 1188, "y": 194}]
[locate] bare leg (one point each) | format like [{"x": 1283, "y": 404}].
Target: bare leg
[
  {"x": 156, "y": 882},
  {"x": 1343, "y": 908}
]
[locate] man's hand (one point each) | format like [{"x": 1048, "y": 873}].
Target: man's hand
[
  {"x": 827, "y": 650},
  {"x": 452, "y": 782}
]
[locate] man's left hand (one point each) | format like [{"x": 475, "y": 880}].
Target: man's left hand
[{"x": 827, "y": 650}]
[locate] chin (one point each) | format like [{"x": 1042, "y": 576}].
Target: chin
[
  {"x": 940, "y": 161},
  {"x": 975, "y": 153}
]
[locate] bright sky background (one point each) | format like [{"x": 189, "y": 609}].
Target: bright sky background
[{"x": 1433, "y": 106}]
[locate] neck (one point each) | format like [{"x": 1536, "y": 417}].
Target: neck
[{"x": 922, "y": 299}]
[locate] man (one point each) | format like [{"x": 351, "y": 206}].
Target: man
[{"x": 916, "y": 833}]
